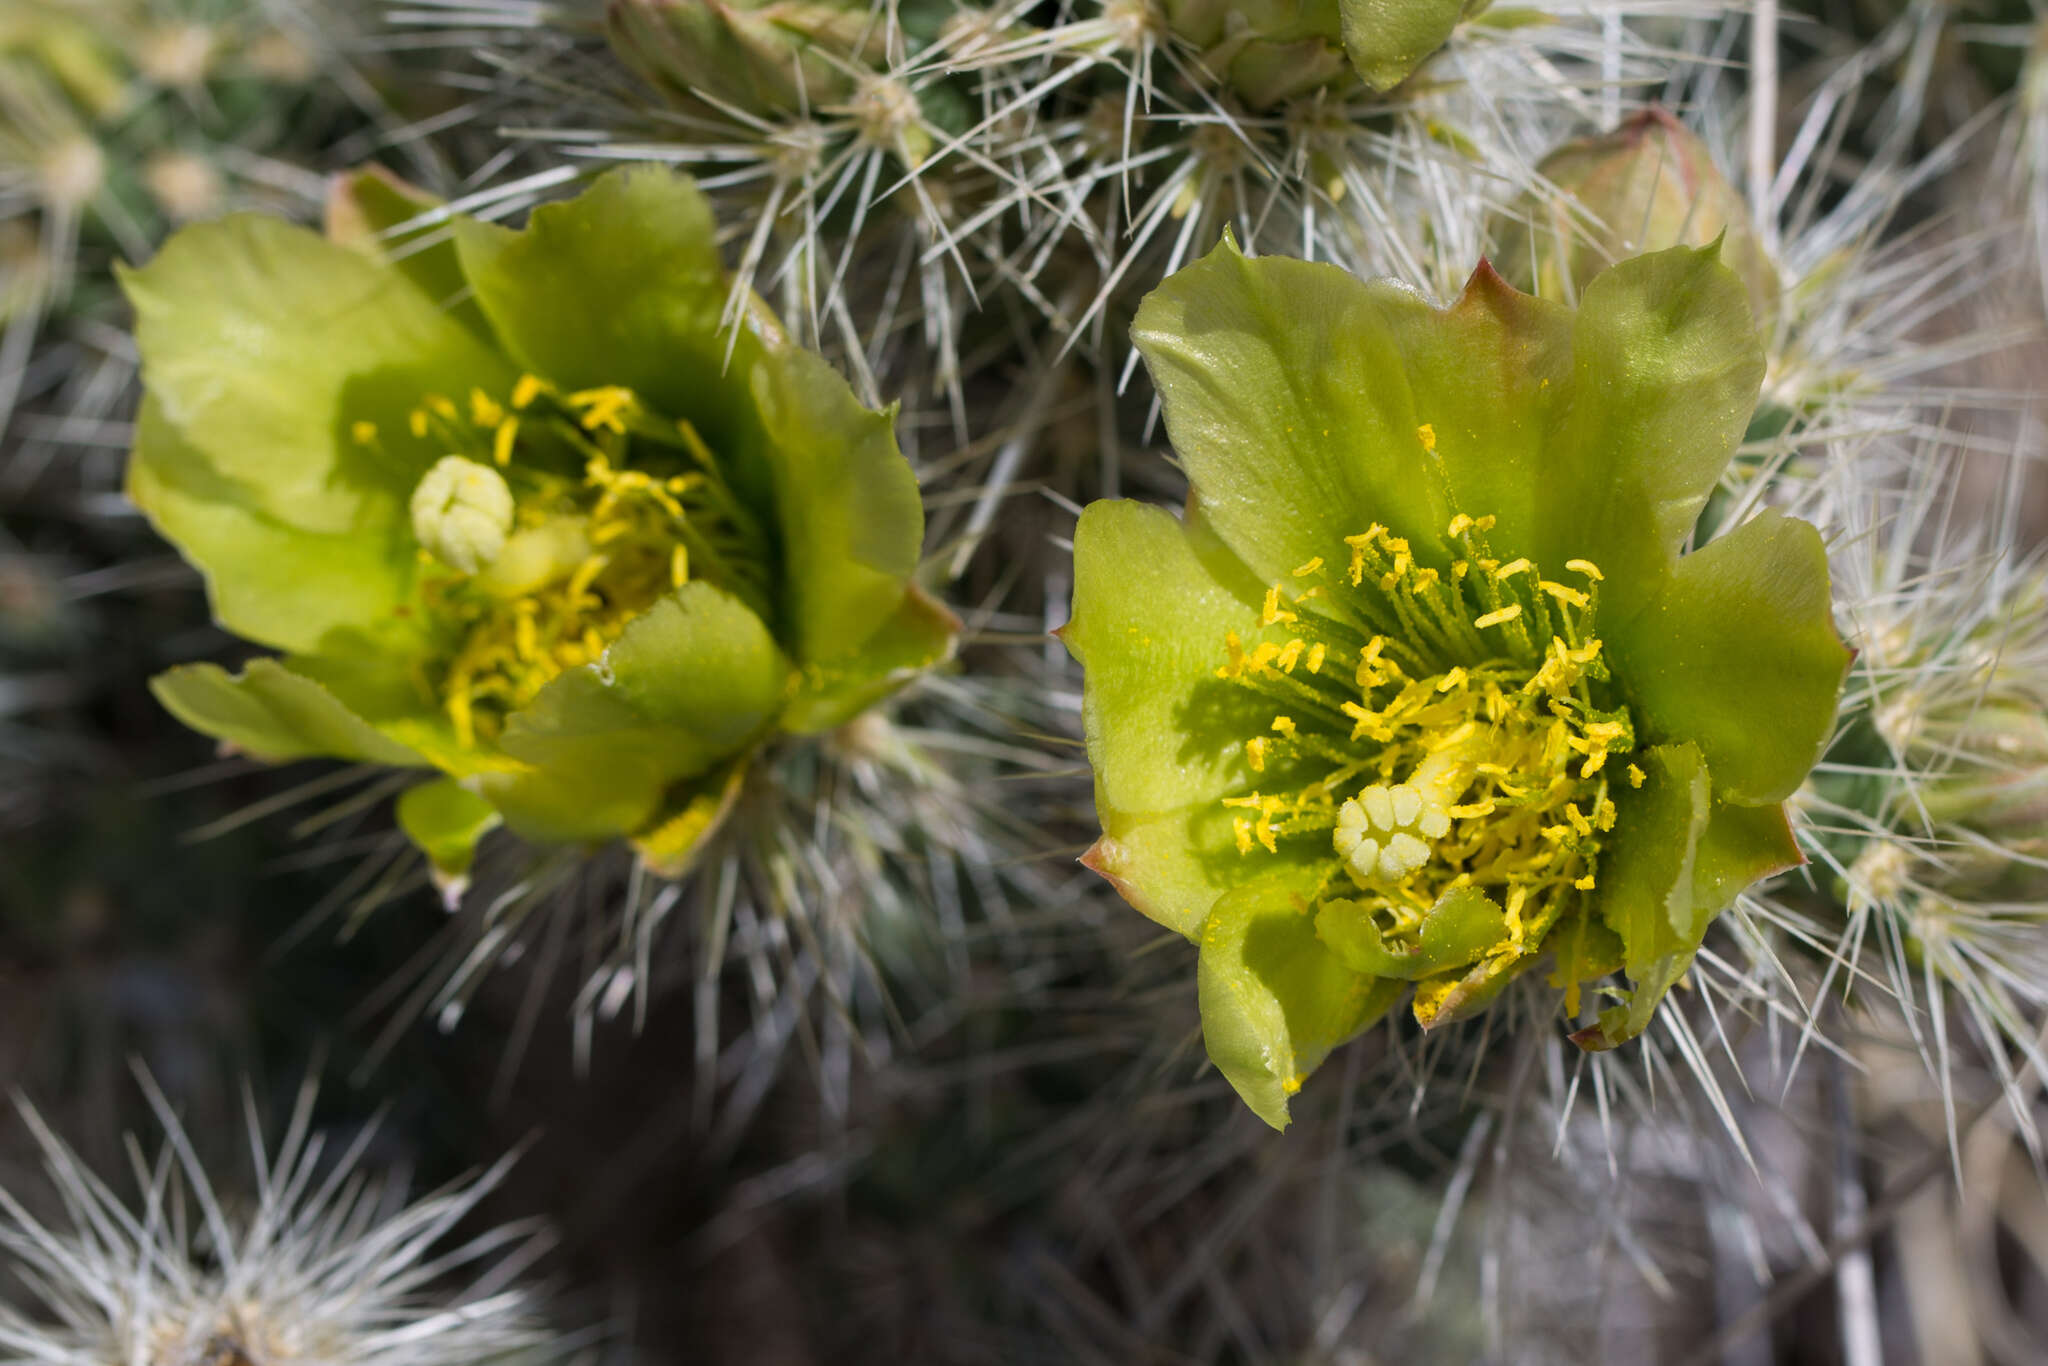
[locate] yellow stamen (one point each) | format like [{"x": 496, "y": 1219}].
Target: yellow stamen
[
  {"x": 501, "y": 441},
  {"x": 1588, "y": 568},
  {"x": 1426, "y": 434},
  {"x": 526, "y": 391},
  {"x": 1501, "y": 617}
]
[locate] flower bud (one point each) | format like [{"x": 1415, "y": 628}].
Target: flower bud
[
  {"x": 462, "y": 513},
  {"x": 1266, "y": 53},
  {"x": 1648, "y": 185},
  {"x": 779, "y": 57}
]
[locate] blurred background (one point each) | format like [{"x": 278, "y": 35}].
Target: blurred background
[{"x": 945, "y": 1101}]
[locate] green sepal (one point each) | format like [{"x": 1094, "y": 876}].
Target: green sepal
[
  {"x": 275, "y": 714},
  {"x": 1153, "y": 601},
  {"x": 264, "y": 346},
  {"x": 444, "y": 820},
  {"x": 689, "y": 683},
  {"x": 919, "y": 637},
  {"x": 1646, "y": 890},
  {"x": 1274, "y": 999},
  {"x": 1739, "y": 654},
  {"x": 1456, "y": 932}
]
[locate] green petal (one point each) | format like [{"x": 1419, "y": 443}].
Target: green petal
[
  {"x": 273, "y": 713},
  {"x": 1287, "y": 398},
  {"x": 1739, "y": 654},
  {"x": 1153, "y": 600},
  {"x": 1388, "y": 39},
  {"x": 269, "y": 581},
  {"x": 444, "y": 820},
  {"x": 366, "y": 211},
  {"x": 1274, "y": 1000},
  {"x": 1742, "y": 845},
  {"x": 846, "y": 503},
  {"x": 264, "y": 346},
  {"x": 623, "y": 286},
  {"x": 690, "y": 682},
  {"x": 1646, "y": 889},
  {"x": 918, "y": 637},
  {"x": 1456, "y": 932},
  {"x": 1666, "y": 367}
]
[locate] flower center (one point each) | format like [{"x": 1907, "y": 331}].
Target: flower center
[
  {"x": 1440, "y": 729},
  {"x": 555, "y": 520}
]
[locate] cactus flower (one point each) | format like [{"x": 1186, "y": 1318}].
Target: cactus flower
[
  {"x": 1420, "y": 692},
  {"x": 516, "y": 509}
]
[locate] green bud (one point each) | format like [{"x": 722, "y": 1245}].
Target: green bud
[
  {"x": 1648, "y": 185},
  {"x": 462, "y": 512},
  {"x": 1265, "y": 53},
  {"x": 778, "y": 57}
]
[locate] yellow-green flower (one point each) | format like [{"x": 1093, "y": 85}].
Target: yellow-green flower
[
  {"x": 1420, "y": 692},
  {"x": 516, "y": 508}
]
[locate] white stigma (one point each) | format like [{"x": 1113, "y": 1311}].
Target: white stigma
[
  {"x": 1382, "y": 834},
  {"x": 462, "y": 512}
]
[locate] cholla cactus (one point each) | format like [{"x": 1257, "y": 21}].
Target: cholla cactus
[{"x": 323, "y": 1264}]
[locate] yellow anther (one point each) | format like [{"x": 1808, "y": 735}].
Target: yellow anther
[
  {"x": 585, "y": 575},
  {"x": 1562, "y": 593},
  {"x": 417, "y": 421},
  {"x": 483, "y": 411},
  {"x": 1588, "y": 568},
  {"x": 1512, "y": 568},
  {"x": 1291, "y": 656},
  {"x": 526, "y": 391},
  {"x": 1242, "y": 828},
  {"x": 1485, "y": 523},
  {"x": 1272, "y": 612},
  {"x": 1594, "y": 762},
  {"x": 1263, "y": 655},
  {"x": 1311, "y": 567},
  {"x": 502, "y": 440},
  {"x": 1316, "y": 655},
  {"x": 1501, "y": 617},
  {"x": 1255, "y": 753},
  {"x": 1473, "y": 810},
  {"x": 1460, "y": 524},
  {"x": 1234, "y": 645},
  {"x": 1578, "y": 819},
  {"x": 444, "y": 407},
  {"x": 1284, "y": 725},
  {"x": 1635, "y": 776},
  {"x": 1452, "y": 681},
  {"x": 364, "y": 433},
  {"x": 603, "y": 408},
  {"x": 1584, "y": 884},
  {"x": 679, "y": 566},
  {"x": 1426, "y": 434}
]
